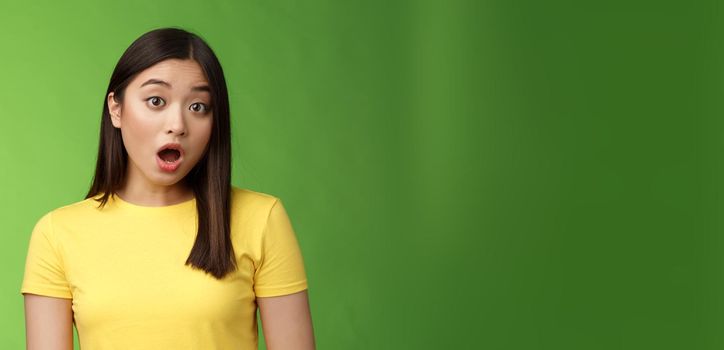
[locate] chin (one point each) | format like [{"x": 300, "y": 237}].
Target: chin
[{"x": 168, "y": 179}]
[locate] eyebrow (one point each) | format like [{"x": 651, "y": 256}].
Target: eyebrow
[{"x": 168, "y": 85}]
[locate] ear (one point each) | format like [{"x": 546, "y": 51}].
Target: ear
[{"x": 114, "y": 108}]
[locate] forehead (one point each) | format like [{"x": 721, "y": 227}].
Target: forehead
[{"x": 182, "y": 73}]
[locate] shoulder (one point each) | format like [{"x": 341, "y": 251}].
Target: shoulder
[
  {"x": 250, "y": 212},
  {"x": 68, "y": 215},
  {"x": 78, "y": 209},
  {"x": 247, "y": 200}
]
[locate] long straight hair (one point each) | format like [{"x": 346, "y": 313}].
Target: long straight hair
[{"x": 211, "y": 176}]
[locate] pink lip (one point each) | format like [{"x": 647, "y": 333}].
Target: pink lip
[{"x": 170, "y": 167}]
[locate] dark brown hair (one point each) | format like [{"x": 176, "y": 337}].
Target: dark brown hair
[{"x": 211, "y": 176}]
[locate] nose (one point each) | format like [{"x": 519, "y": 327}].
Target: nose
[{"x": 176, "y": 124}]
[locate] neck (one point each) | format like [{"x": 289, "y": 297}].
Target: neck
[{"x": 152, "y": 195}]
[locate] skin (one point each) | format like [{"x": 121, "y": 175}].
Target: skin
[
  {"x": 155, "y": 114},
  {"x": 149, "y": 117}
]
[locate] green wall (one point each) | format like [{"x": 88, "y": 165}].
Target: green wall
[{"x": 480, "y": 174}]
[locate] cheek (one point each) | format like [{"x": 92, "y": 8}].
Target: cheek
[
  {"x": 203, "y": 131},
  {"x": 136, "y": 131}
]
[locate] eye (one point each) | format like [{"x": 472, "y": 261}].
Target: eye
[
  {"x": 199, "y": 107},
  {"x": 156, "y": 101}
]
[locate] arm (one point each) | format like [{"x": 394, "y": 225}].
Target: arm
[
  {"x": 287, "y": 322},
  {"x": 48, "y": 323}
]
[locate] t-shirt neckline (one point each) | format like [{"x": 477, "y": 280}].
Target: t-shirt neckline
[{"x": 124, "y": 205}]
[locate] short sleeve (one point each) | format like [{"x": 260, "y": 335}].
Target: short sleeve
[
  {"x": 44, "y": 273},
  {"x": 281, "y": 270}
]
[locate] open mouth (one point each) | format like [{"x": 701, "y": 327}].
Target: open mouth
[{"x": 169, "y": 155}]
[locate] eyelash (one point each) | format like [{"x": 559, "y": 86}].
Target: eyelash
[{"x": 206, "y": 108}]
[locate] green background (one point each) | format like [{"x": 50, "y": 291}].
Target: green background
[{"x": 472, "y": 175}]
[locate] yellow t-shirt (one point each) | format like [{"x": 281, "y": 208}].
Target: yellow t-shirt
[{"x": 123, "y": 266}]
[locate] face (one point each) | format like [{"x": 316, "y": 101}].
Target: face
[{"x": 168, "y": 103}]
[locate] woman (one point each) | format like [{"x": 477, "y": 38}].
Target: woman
[{"x": 164, "y": 253}]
